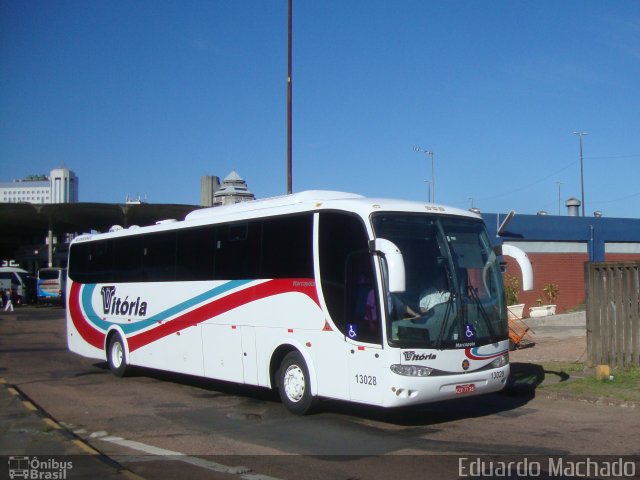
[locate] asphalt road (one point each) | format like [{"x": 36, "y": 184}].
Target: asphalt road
[{"x": 162, "y": 425}]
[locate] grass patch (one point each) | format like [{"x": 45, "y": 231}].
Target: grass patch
[
  {"x": 570, "y": 368},
  {"x": 625, "y": 385}
]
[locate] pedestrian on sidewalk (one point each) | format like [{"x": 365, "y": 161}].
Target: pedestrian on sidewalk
[{"x": 8, "y": 302}]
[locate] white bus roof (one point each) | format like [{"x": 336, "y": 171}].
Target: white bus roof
[
  {"x": 306, "y": 197},
  {"x": 12, "y": 270},
  {"x": 316, "y": 199},
  {"x": 311, "y": 200}
]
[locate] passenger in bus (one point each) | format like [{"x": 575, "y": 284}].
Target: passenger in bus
[
  {"x": 437, "y": 294},
  {"x": 398, "y": 310},
  {"x": 370, "y": 315}
]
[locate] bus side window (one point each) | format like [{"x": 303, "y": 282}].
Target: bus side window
[
  {"x": 159, "y": 257},
  {"x": 127, "y": 259},
  {"x": 100, "y": 262},
  {"x": 237, "y": 256},
  {"x": 287, "y": 247},
  {"x": 79, "y": 262},
  {"x": 343, "y": 237},
  {"x": 195, "y": 253},
  {"x": 361, "y": 301}
]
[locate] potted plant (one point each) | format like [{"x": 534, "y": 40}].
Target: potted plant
[
  {"x": 550, "y": 291},
  {"x": 512, "y": 290}
]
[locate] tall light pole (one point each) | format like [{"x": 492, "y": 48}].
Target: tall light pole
[
  {"x": 433, "y": 174},
  {"x": 289, "y": 102},
  {"x": 428, "y": 182},
  {"x": 581, "y": 134}
]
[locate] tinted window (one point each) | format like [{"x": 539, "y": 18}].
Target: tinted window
[
  {"x": 49, "y": 274},
  {"x": 238, "y": 251},
  {"x": 127, "y": 259},
  {"x": 78, "y": 262},
  {"x": 99, "y": 263},
  {"x": 287, "y": 246},
  {"x": 279, "y": 247},
  {"x": 159, "y": 257},
  {"x": 195, "y": 251},
  {"x": 347, "y": 275}
]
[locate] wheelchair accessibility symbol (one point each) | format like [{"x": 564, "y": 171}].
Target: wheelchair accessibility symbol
[
  {"x": 469, "y": 331},
  {"x": 352, "y": 331}
]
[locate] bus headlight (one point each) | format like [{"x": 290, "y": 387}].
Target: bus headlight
[
  {"x": 411, "y": 370},
  {"x": 501, "y": 361}
]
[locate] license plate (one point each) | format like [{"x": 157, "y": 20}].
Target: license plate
[{"x": 468, "y": 388}]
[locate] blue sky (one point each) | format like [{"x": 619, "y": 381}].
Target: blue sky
[{"x": 145, "y": 97}]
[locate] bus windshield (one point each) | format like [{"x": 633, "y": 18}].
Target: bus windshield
[{"x": 454, "y": 296}]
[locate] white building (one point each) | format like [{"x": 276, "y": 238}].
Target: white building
[
  {"x": 232, "y": 190},
  {"x": 61, "y": 186}
]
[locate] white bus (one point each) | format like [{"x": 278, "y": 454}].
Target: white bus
[
  {"x": 318, "y": 294},
  {"x": 51, "y": 285},
  {"x": 19, "y": 283}
]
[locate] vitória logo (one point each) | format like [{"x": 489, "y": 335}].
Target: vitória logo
[{"x": 114, "y": 305}]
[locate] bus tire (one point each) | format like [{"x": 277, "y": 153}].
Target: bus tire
[
  {"x": 294, "y": 386},
  {"x": 116, "y": 356}
]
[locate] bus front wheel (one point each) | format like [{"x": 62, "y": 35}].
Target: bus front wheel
[
  {"x": 116, "y": 356},
  {"x": 294, "y": 386}
]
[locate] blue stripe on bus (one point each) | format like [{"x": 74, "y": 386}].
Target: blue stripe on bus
[
  {"x": 42, "y": 293},
  {"x": 127, "y": 328}
]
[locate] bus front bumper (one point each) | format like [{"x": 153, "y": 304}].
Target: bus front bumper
[{"x": 403, "y": 391}]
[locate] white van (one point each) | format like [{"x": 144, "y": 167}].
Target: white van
[
  {"x": 52, "y": 285},
  {"x": 19, "y": 282}
]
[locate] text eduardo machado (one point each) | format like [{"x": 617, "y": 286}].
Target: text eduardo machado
[{"x": 546, "y": 467}]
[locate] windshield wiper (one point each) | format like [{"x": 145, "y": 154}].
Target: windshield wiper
[
  {"x": 445, "y": 321},
  {"x": 483, "y": 313}
]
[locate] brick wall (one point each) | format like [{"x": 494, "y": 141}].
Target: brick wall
[
  {"x": 565, "y": 270},
  {"x": 621, "y": 257}
]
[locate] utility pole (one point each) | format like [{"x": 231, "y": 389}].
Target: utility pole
[
  {"x": 559, "y": 183},
  {"x": 581, "y": 134}
]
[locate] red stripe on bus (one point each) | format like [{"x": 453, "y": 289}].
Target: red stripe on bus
[
  {"x": 85, "y": 329},
  {"x": 220, "y": 306}
]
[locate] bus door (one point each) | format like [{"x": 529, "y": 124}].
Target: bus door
[
  {"x": 363, "y": 338},
  {"x": 350, "y": 292},
  {"x": 365, "y": 369}
]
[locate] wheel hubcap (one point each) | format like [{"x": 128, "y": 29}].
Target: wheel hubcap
[
  {"x": 294, "y": 383},
  {"x": 116, "y": 354}
]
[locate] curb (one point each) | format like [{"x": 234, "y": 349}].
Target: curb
[
  {"x": 64, "y": 433},
  {"x": 572, "y": 320}
]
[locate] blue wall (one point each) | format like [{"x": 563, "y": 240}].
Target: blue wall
[{"x": 550, "y": 228}]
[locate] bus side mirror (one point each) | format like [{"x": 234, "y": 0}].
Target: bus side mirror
[
  {"x": 523, "y": 261},
  {"x": 394, "y": 263}
]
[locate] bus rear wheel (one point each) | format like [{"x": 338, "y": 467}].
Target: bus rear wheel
[
  {"x": 294, "y": 386},
  {"x": 116, "y": 356}
]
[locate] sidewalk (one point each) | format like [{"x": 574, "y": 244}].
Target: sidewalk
[
  {"x": 557, "y": 338},
  {"x": 562, "y": 339},
  {"x": 31, "y": 443}
]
